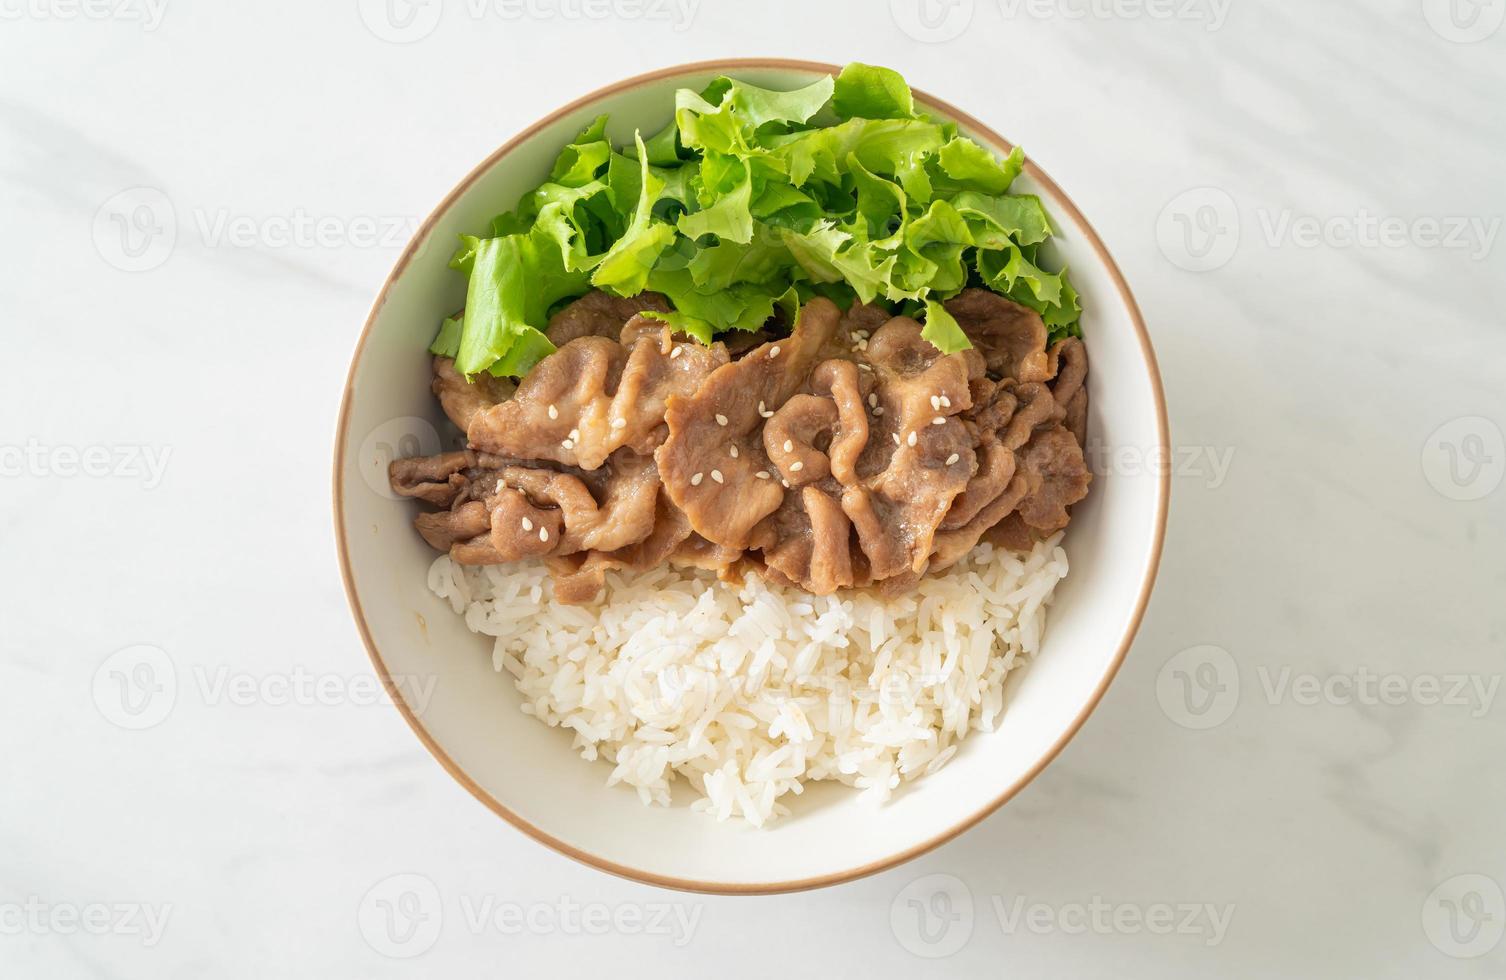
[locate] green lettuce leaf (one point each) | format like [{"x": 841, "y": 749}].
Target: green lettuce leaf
[
  {"x": 872, "y": 93},
  {"x": 750, "y": 200}
]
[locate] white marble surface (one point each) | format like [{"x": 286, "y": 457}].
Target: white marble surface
[{"x": 1309, "y": 320}]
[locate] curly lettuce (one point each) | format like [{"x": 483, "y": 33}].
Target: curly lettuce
[{"x": 752, "y": 200}]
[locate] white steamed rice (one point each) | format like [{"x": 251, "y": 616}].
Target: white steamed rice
[{"x": 747, "y": 691}]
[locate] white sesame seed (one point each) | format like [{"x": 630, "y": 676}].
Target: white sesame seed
[
  {"x": 910, "y": 439},
  {"x": 527, "y": 524},
  {"x": 935, "y": 403},
  {"x": 896, "y": 438},
  {"x": 796, "y": 466},
  {"x": 676, "y": 353},
  {"x": 574, "y": 433},
  {"x": 938, "y": 420},
  {"x": 952, "y": 459},
  {"x": 554, "y": 413},
  {"x": 864, "y": 367},
  {"x": 619, "y": 423},
  {"x": 543, "y": 534},
  {"x": 568, "y": 444},
  {"x": 695, "y": 481},
  {"x": 733, "y": 451},
  {"x": 946, "y": 402},
  {"x": 762, "y": 474},
  {"x": 873, "y": 399},
  {"x": 789, "y": 446},
  {"x": 878, "y": 411},
  {"x": 786, "y": 483},
  {"x": 717, "y": 475},
  {"x": 774, "y": 351},
  {"x": 721, "y": 419}
]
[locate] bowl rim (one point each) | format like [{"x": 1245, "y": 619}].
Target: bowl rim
[{"x": 727, "y": 66}]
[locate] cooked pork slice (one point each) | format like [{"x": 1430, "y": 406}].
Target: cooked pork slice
[
  {"x": 808, "y": 542},
  {"x": 713, "y": 462},
  {"x": 919, "y": 455},
  {"x": 1052, "y": 463},
  {"x": 438, "y": 480},
  {"x": 460, "y": 398},
  {"x": 591, "y": 397},
  {"x": 599, "y": 314},
  {"x": 953, "y": 543},
  {"x": 1011, "y": 337}
]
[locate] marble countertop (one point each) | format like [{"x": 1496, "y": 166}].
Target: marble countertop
[{"x": 1297, "y": 773}]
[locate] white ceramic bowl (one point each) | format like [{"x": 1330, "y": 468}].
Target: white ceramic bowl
[{"x": 527, "y": 772}]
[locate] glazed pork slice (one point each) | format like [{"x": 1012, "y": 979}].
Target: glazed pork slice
[
  {"x": 592, "y": 397},
  {"x": 463, "y": 398},
  {"x": 713, "y": 462},
  {"x": 599, "y": 314},
  {"x": 1011, "y": 337}
]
